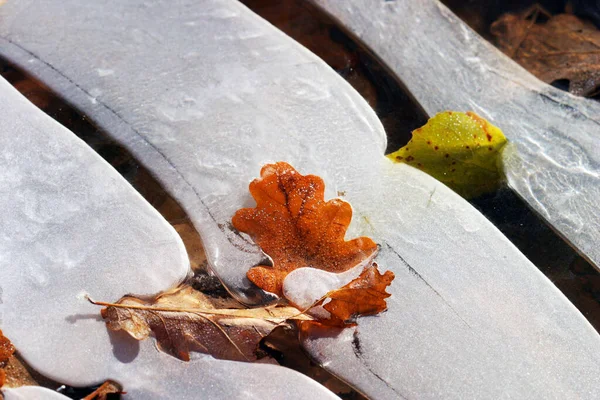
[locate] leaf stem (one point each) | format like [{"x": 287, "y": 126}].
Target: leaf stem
[{"x": 223, "y": 312}]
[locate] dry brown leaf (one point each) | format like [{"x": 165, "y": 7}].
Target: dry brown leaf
[
  {"x": 6, "y": 348},
  {"x": 296, "y": 227},
  {"x": 563, "y": 48},
  {"x": 185, "y": 320},
  {"x": 103, "y": 392},
  {"x": 20, "y": 374},
  {"x": 364, "y": 296},
  {"x": 6, "y": 351}
]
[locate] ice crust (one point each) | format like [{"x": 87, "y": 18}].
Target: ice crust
[
  {"x": 205, "y": 93},
  {"x": 71, "y": 224},
  {"x": 32, "y": 393},
  {"x": 555, "y": 165}
]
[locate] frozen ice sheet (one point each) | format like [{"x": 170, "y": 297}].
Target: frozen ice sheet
[
  {"x": 206, "y": 93},
  {"x": 555, "y": 165},
  {"x": 194, "y": 90},
  {"x": 32, "y": 393},
  {"x": 72, "y": 225}
]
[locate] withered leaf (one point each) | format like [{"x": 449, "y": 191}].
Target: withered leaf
[
  {"x": 296, "y": 227},
  {"x": 6, "y": 348},
  {"x": 562, "y": 48},
  {"x": 185, "y": 320},
  {"x": 104, "y": 391},
  {"x": 364, "y": 296},
  {"x": 6, "y": 351}
]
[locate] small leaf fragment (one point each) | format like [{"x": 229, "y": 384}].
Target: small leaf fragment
[
  {"x": 185, "y": 320},
  {"x": 105, "y": 391},
  {"x": 462, "y": 150},
  {"x": 364, "y": 296},
  {"x": 296, "y": 227},
  {"x": 6, "y": 351}
]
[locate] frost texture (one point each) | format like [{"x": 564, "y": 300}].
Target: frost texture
[
  {"x": 469, "y": 316},
  {"x": 556, "y": 163},
  {"x": 32, "y": 393},
  {"x": 226, "y": 83},
  {"x": 71, "y": 223}
]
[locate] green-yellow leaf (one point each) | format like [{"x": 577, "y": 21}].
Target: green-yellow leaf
[{"x": 462, "y": 150}]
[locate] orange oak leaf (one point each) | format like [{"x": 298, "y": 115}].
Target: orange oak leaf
[
  {"x": 296, "y": 227},
  {"x": 364, "y": 296}
]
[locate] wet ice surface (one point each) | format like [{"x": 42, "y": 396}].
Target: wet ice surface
[
  {"x": 305, "y": 286},
  {"x": 72, "y": 225},
  {"x": 469, "y": 316},
  {"x": 32, "y": 393},
  {"x": 155, "y": 375},
  {"x": 555, "y": 165},
  {"x": 205, "y": 94}
]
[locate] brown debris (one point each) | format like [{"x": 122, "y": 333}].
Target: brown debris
[
  {"x": 564, "y": 47},
  {"x": 185, "y": 320}
]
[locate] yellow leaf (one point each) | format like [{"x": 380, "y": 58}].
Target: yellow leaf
[{"x": 462, "y": 150}]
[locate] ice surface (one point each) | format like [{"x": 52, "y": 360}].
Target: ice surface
[
  {"x": 469, "y": 316},
  {"x": 205, "y": 93},
  {"x": 71, "y": 224},
  {"x": 447, "y": 66},
  {"x": 32, "y": 393},
  {"x": 305, "y": 286}
]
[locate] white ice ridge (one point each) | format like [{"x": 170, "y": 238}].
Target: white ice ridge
[
  {"x": 71, "y": 223},
  {"x": 32, "y": 393},
  {"x": 205, "y": 93},
  {"x": 555, "y": 165},
  {"x": 198, "y": 89}
]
